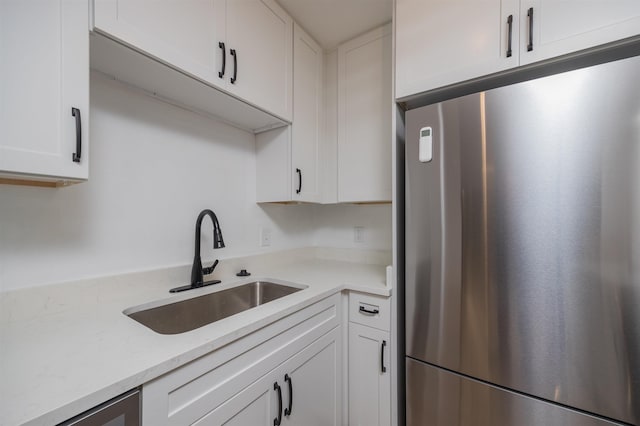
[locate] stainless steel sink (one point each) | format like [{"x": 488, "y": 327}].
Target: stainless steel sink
[{"x": 193, "y": 313}]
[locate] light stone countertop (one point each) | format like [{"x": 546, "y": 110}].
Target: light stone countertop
[{"x": 66, "y": 348}]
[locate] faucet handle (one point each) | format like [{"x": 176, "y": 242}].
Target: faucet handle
[{"x": 207, "y": 271}]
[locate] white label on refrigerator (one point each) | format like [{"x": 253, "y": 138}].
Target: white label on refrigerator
[{"x": 425, "y": 151}]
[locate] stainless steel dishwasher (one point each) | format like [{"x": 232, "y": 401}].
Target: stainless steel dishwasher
[{"x": 123, "y": 410}]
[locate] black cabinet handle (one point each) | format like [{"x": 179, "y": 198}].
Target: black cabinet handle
[
  {"x": 287, "y": 411},
  {"x": 530, "y": 15},
  {"x": 235, "y": 66},
  {"x": 382, "y": 367},
  {"x": 510, "y": 24},
  {"x": 76, "y": 155},
  {"x": 364, "y": 310},
  {"x": 299, "y": 172},
  {"x": 278, "y": 420},
  {"x": 224, "y": 59}
]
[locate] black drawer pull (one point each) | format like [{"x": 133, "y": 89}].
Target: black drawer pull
[
  {"x": 530, "y": 15},
  {"x": 278, "y": 420},
  {"x": 382, "y": 367},
  {"x": 287, "y": 411},
  {"x": 366, "y": 311},
  {"x": 76, "y": 155},
  {"x": 224, "y": 59},
  {"x": 299, "y": 172},
  {"x": 510, "y": 24}
]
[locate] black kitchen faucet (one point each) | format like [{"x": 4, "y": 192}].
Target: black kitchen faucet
[{"x": 197, "y": 271}]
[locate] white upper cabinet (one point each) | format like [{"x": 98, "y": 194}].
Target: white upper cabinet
[
  {"x": 185, "y": 34},
  {"x": 443, "y": 43},
  {"x": 44, "y": 90},
  {"x": 243, "y": 47},
  {"x": 364, "y": 118},
  {"x": 561, "y": 27},
  {"x": 338, "y": 148},
  {"x": 259, "y": 69},
  {"x": 287, "y": 159},
  {"x": 307, "y": 114}
]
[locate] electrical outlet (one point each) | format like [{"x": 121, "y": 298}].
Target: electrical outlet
[
  {"x": 265, "y": 237},
  {"x": 358, "y": 234}
]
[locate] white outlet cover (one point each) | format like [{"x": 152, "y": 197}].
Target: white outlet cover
[
  {"x": 358, "y": 234},
  {"x": 265, "y": 237}
]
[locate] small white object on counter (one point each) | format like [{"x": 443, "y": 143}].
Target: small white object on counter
[{"x": 68, "y": 347}]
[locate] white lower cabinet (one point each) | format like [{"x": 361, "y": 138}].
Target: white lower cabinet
[
  {"x": 302, "y": 391},
  {"x": 293, "y": 364},
  {"x": 252, "y": 406},
  {"x": 369, "y": 376},
  {"x": 369, "y": 361},
  {"x": 313, "y": 382}
]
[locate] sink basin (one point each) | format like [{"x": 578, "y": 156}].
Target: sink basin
[{"x": 193, "y": 313}]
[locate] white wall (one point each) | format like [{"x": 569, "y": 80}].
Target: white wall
[
  {"x": 333, "y": 226},
  {"x": 153, "y": 168}
]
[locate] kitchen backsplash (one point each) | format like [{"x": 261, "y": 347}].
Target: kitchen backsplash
[{"x": 154, "y": 167}]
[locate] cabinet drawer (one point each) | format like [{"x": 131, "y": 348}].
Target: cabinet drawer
[
  {"x": 184, "y": 395},
  {"x": 372, "y": 311}
]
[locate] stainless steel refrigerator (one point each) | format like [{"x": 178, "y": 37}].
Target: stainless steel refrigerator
[{"x": 522, "y": 250}]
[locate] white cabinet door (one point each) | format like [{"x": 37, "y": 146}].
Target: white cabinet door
[
  {"x": 439, "y": 43},
  {"x": 259, "y": 42},
  {"x": 364, "y": 118},
  {"x": 243, "y": 47},
  {"x": 307, "y": 106},
  {"x": 443, "y": 43},
  {"x": 256, "y": 405},
  {"x": 185, "y": 34},
  {"x": 288, "y": 159},
  {"x": 561, "y": 27},
  {"x": 44, "y": 73},
  {"x": 305, "y": 390},
  {"x": 369, "y": 376},
  {"x": 312, "y": 383}
]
